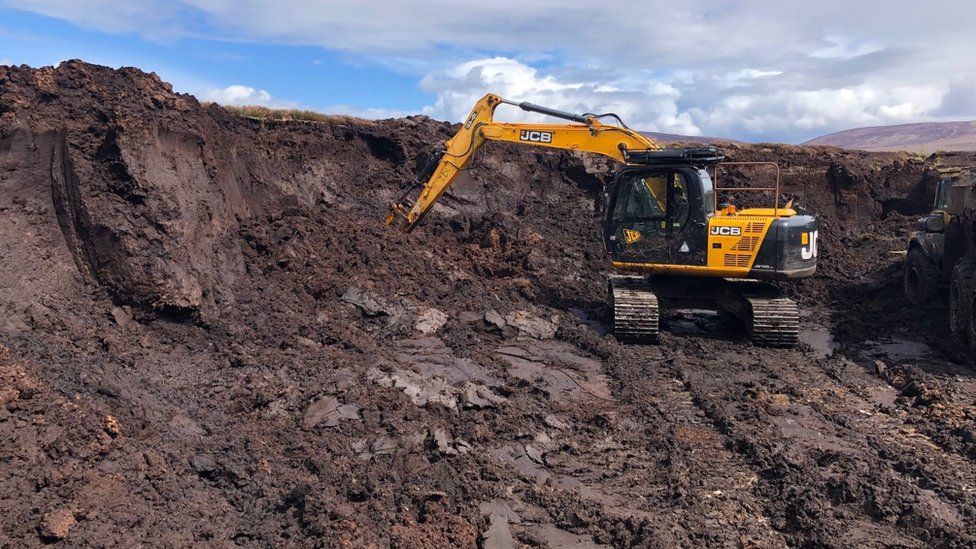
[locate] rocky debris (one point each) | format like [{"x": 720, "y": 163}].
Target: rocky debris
[
  {"x": 534, "y": 453},
  {"x": 557, "y": 368},
  {"x": 112, "y": 426},
  {"x": 446, "y": 444},
  {"x": 480, "y": 396},
  {"x": 494, "y": 318},
  {"x": 501, "y": 518},
  {"x": 430, "y": 373},
  {"x": 443, "y": 441},
  {"x": 185, "y": 426},
  {"x": 498, "y": 535},
  {"x": 554, "y": 536},
  {"x": 307, "y": 342},
  {"x": 915, "y": 385},
  {"x": 327, "y": 411},
  {"x": 526, "y": 324},
  {"x": 56, "y": 525},
  {"x": 121, "y": 316},
  {"x": 421, "y": 389},
  {"x": 366, "y": 302},
  {"x": 386, "y": 445},
  {"x": 555, "y": 422},
  {"x": 430, "y": 321},
  {"x": 204, "y": 464},
  {"x": 531, "y": 326}
]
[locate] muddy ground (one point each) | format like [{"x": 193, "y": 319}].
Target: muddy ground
[{"x": 210, "y": 338}]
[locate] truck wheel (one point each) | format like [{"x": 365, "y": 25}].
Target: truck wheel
[
  {"x": 920, "y": 279},
  {"x": 960, "y": 296},
  {"x": 971, "y": 336}
]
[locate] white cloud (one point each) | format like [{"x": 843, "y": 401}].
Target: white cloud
[
  {"x": 742, "y": 76},
  {"x": 655, "y": 105},
  {"x": 6, "y": 61},
  {"x": 815, "y": 111},
  {"x": 238, "y": 94},
  {"x": 651, "y": 107},
  {"x": 645, "y": 102},
  {"x": 843, "y": 47},
  {"x": 750, "y": 68}
]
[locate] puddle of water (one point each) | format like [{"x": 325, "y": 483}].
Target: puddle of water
[
  {"x": 820, "y": 339},
  {"x": 593, "y": 323},
  {"x": 898, "y": 349}
]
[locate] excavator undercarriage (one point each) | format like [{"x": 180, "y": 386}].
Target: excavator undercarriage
[{"x": 636, "y": 303}]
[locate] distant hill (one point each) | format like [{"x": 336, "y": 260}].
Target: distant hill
[
  {"x": 925, "y": 137},
  {"x": 668, "y": 138}
]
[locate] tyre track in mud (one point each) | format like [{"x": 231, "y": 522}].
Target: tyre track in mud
[
  {"x": 830, "y": 472},
  {"x": 679, "y": 473},
  {"x": 937, "y": 399},
  {"x": 664, "y": 461}
]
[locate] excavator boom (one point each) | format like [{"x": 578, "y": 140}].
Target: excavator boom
[{"x": 587, "y": 134}]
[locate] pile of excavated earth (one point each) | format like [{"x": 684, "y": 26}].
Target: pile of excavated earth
[{"x": 209, "y": 337}]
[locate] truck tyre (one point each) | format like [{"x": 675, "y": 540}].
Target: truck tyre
[
  {"x": 971, "y": 336},
  {"x": 921, "y": 278},
  {"x": 961, "y": 295}
]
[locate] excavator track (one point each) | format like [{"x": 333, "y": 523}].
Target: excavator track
[
  {"x": 634, "y": 307},
  {"x": 772, "y": 321}
]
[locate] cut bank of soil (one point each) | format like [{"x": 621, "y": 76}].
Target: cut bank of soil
[{"x": 209, "y": 336}]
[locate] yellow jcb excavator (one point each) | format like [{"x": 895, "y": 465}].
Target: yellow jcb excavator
[{"x": 671, "y": 244}]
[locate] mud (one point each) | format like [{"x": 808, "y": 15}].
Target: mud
[{"x": 210, "y": 338}]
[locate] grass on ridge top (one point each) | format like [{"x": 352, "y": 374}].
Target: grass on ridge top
[{"x": 258, "y": 112}]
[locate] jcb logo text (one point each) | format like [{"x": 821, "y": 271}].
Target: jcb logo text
[
  {"x": 535, "y": 136},
  {"x": 808, "y": 244},
  {"x": 727, "y": 231}
]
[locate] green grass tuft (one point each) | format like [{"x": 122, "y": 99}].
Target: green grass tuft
[{"x": 257, "y": 112}]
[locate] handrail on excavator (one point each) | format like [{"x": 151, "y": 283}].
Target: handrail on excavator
[{"x": 715, "y": 173}]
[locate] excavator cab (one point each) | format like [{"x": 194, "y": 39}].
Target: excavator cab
[{"x": 659, "y": 215}]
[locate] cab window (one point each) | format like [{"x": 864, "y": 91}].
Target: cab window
[
  {"x": 942, "y": 194},
  {"x": 641, "y": 198},
  {"x": 678, "y": 196},
  {"x": 647, "y": 198},
  {"x": 708, "y": 192}
]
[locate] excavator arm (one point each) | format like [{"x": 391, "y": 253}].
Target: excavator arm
[{"x": 588, "y": 134}]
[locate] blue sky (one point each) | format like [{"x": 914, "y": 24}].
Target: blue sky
[
  {"x": 306, "y": 75},
  {"x": 755, "y": 70}
]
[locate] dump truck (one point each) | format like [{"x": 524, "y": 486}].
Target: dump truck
[{"x": 942, "y": 252}]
